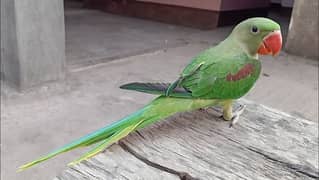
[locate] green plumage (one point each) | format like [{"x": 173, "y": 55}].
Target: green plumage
[
  {"x": 206, "y": 75},
  {"x": 159, "y": 108},
  {"x": 216, "y": 76}
]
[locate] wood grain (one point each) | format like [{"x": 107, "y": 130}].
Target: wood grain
[{"x": 265, "y": 144}]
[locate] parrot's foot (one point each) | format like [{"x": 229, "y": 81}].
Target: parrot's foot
[{"x": 236, "y": 115}]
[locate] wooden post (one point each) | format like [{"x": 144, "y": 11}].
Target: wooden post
[
  {"x": 32, "y": 41},
  {"x": 303, "y": 39}
]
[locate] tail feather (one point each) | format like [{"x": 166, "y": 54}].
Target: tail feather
[
  {"x": 149, "y": 87},
  {"x": 113, "y": 139},
  {"x": 97, "y": 136},
  {"x": 157, "y": 88},
  {"x": 159, "y": 108}
]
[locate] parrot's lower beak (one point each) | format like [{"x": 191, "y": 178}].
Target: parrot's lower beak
[{"x": 271, "y": 44}]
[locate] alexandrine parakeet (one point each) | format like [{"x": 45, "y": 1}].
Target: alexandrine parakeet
[{"x": 216, "y": 76}]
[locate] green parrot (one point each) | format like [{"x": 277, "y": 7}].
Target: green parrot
[{"x": 215, "y": 77}]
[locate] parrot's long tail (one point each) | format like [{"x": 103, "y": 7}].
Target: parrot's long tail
[{"x": 159, "y": 108}]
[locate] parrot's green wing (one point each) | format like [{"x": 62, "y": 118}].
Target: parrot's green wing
[
  {"x": 211, "y": 76},
  {"x": 226, "y": 77},
  {"x": 194, "y": 71}
]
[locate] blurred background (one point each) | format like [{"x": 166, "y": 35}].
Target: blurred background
[{"x": 63, "y": 61}]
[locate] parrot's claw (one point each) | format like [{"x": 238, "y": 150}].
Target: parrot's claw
[
  {"x": 202, "y": 109},
  {"x": 236, "y": 115}
]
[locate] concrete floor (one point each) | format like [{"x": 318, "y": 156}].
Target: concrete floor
[
  {"x": 109, "y": 37},
  {"x": 39, "y": 120}
]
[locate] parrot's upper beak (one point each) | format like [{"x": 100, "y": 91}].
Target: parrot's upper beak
[{"x": 271, "y": 44}]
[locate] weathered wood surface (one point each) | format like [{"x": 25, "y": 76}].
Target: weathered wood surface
[{"x": 265, "y": 144}]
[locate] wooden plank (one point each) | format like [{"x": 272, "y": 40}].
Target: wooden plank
[
  {"x": 115, "y": 163},
  {"x": 265, "y": 144}
]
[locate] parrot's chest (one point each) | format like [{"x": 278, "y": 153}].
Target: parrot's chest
[{"x": 236, "y": 85}]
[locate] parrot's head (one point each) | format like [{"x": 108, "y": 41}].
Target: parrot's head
[{"x": 259, "y": 36}]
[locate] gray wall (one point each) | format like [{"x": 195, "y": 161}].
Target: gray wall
[
  {"x": 9, "y": 56},
  {"x": 32, "y": 41},
  {"x": 304, "y": 29}
]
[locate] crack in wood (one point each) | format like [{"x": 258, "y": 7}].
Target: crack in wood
[
  {"x": 78, "y": 171},
  {"x": 181, "y": 175},
  {"x": 297, "y": 168},
  {"x": 139, "y": 134}
]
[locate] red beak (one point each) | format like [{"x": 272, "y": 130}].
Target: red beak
[{"x": 271, "y": 44}]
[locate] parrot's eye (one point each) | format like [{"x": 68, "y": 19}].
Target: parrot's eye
[{"x": 254, "y": 30}]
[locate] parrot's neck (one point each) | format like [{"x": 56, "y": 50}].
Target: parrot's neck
[{"x": 232, "y": 44}]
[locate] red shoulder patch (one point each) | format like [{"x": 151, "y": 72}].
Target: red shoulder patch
[{"x": 247, "y": 70}]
